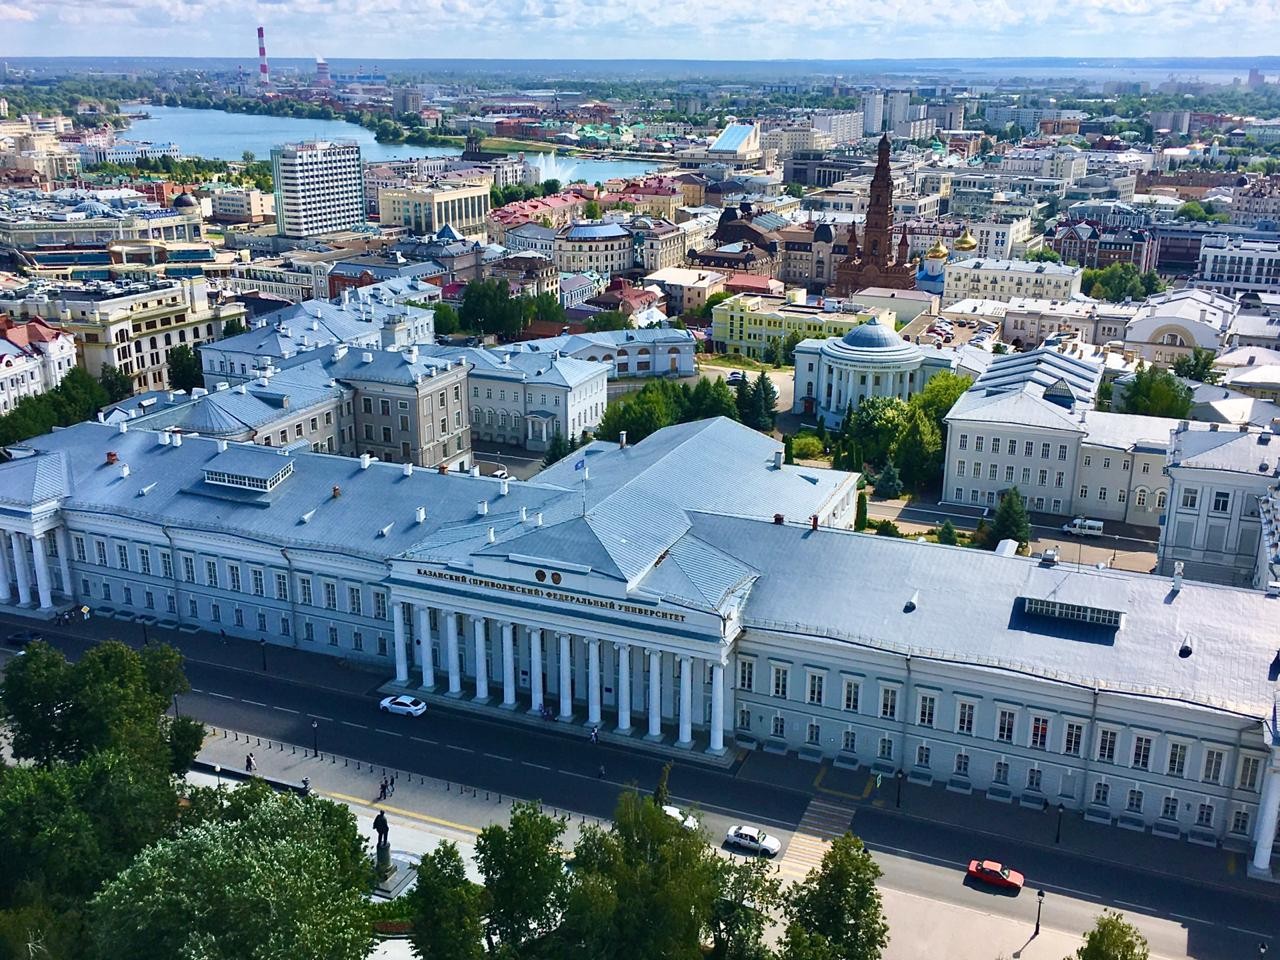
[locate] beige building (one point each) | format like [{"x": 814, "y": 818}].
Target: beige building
[
  {"x": 424, "y": 209},
  {"x": 1028, "y": 320},
  {"x": 745, "y": 324},
  {"x": 983, "y": 279},
  {"x": 601, "y": 246},
  {"x": 243, "y": 206},
  {"x": 1259, "y": 201},
  {"x": 133, "y": 330},
  {"x": 686, "y": 290},
  {"x": 659, "y": 244}
]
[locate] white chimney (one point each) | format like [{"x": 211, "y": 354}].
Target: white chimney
[
  {"x": 164, "y": 438},
  {"x": 777, "y": 459},
  {"x": 339, "y": 351},
  {"x": 537, "y": 519},
  {"x": 124, "y": 427},
  {"x": 366, "y": 357},
  {"x": 411, "y": 354},
  {"x": 622, "y": 439},
  {"x": 491, "y": 535},
  {"x": 504, "y": 486},
  {"x": 524, "y": 514},
  {"x": 482, "y": 507},
  {"x": 407, "y": 470},
  {"x": 365, "y": 460},
  {"x": 1177, "y": 576},
  {"x": 124, "y": 470},
  {"x": 177, "y": 439},
  {"x": 222, "y": 446},
  {"x": 420, "y": 515},
  {"x": 475, "y": 470}
]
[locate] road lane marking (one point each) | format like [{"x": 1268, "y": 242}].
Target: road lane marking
[
  {"x": 1133, "y": 906},
  {"x": 220, "y": 696},
  {"x": 256, "y": 703},
  {"x": 495, "y": 756},
  {"x": 1251, "y": 933},
  {"x": 530, "y": 763},
  {"x": 284, "y": 710},
  {"x": 453, "y": 746},
  {"x": 358, "y": 726},
  {"x": 423, "y": 740},
  {"x": 389, "y": 733},
  {"x": 195, "y": 690},
  {"x": 1179, "y": 916},
  {"x": 345, "y": 798},
  {"x": 318, "y": 717}
]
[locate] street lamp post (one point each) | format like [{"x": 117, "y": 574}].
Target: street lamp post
[
  {"x": 175, "y": 706},
  {"x": 1262, "y": 949},
  {"x": 1057, "y": 837},
  {"x": 217, "y": 772},
  {"x": 1039, "y": 905},
  {"x": 315, "y": 737},
  {"x": 899, "y": 776},
  {"x": 145, "y": 639},
  {"x": 263, "y": 645}
]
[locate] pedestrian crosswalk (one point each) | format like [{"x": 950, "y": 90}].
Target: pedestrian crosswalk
[{"x": 823, "y": 821}]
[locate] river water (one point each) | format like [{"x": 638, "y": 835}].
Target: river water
[{"x": 217, "y": 135}]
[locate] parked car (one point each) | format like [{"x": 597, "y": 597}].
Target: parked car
[
  {"x": 686, "y": 820},
  {"x": 752, "y": 840},
  {"x": 406, "y": 706},
  {"x": 1081, "y": 527},
  {"x": 23, "y": 637},
  {"x": 735, "y": 377},
  {"x": 995, "y": 874},
  {"x": 500, "y": 473}
]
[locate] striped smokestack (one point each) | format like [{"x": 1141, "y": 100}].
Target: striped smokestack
[{"x": 264, "y": 74}]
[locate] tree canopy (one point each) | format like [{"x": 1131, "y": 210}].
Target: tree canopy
[
  {"x": 1113, "y": 938},
  {"x": 1154, "y": 392},
  {"x": 184, "y": 368},
  {"x": 835, "y": 913},
  {"x": 660, "y": 403},
  {"x": 1117, "y": 281},
  {"x": 1011, "y": 521},
  {"x": 78, "y": 397},
  {"x": 1197, "y": 365}
]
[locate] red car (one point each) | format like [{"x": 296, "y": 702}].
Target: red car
[{"x": 995, "y": 874}]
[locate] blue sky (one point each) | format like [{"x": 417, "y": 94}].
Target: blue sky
[{"x": 683, "y": 29}]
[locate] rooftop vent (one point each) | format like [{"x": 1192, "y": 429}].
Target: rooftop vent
[
  {"x": 420, "y": 515},
  {"x": 222, "y": 446},
  {"x": 910, "y": 605},
  {"x": 524, "y": 514},
  {"x": 492, "y": 536},
  {"x": 407, "y": 470},
  {"x": 111, "y": 457},
  {"x": 124, "y": 470},
  {"x": 537, "y": 519},
  {"x": 164, "y": 438},
  {"x": 366, "y": 357},
  {"x": 147, "y": 489},
  {"x": 1185, "y": 651},
  {"x": 482, "y": 507},
  {"x": 337, "y": 491},
  {"x": 365, "y": 460},
  {"x": 306, "y": 517},
  {"x": 504, "y": 486},
  {"x": 124, "y": 427},
  {"x": 385, "y": 530},
  {"x": 177, "y": 439}
]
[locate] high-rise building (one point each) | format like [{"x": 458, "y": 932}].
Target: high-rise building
[
  {"x": 872, "y": 112},
  {"x": 898, "y": 107},
  {"x": 319, "y": 187}
]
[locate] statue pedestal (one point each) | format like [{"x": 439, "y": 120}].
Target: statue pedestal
[
  {"x": 394, "y": 874},
  {"x": 382, "y": 861}
]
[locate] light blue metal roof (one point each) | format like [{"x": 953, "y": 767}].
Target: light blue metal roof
[{"x": 733, "y": 137}]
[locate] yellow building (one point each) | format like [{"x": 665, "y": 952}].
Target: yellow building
[
  {"x": 746, "y": 323},
  {"x": 425, "y": 208}
]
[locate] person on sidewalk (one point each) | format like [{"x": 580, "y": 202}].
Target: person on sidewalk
[
  {"x": 253, "y": 764},
  {"x": 595, "y": 734},
  {"x": 392, "y": 790},
  {"x": 600, "y": 774},
  {"x": 382, "y": 789}
]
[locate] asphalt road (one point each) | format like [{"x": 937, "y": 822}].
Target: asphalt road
[{"x": 560, "y": 767}]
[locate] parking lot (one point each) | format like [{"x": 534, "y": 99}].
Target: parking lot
[{"x": 927, "y": 330}]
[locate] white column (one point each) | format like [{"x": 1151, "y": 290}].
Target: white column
[
  {"x": 20, "y": 569},
  {"x": 717, "y": 708},
  {"x": 6, "y": 574},
  {"x": 1264, "y": 835},
  {"x": 593, "y": 681},
  {"x": 424, "y": 634},
  {"x": 508, "y": 665},
  {"x": 655, "y": 694},
  {"x": 482, "y": 662},
  {"x": 397, "y": 626},
  {"x": 64, "y": 562},
  {"x": 535, "y": 670},
  {"x": 451, "y": 650},
  {"x": 624, "y": 687},
  {"x": 686, "y": 705},
  {"x": 566, "y": 681},
  {"x": 44, "y": 583}
]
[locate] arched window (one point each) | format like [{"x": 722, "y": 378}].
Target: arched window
[
  {"x": 1162, "y": 497},
  {"x": 488, "y": 418},
  {"x": 1140, "y": 497}
]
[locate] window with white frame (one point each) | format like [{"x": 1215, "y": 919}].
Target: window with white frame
[
  {"x": 211, "y": 572},
  {"x": 744, "y": 718},
  {"x": 1250, "y": 768},
  {"x": 1034, "y": 779},
  {"x": 258, "y": 586},
  {"x": 779, "y": 727},
  {"x": 379, "y": 605},
  {"x": 1039, "y": 739},
  {"x": 1212, "y": 766},
  {"x": 928, "y": 705},
  {"x": 962, "y": 764},
  {"x": 1204, "y": 815},
  {"x": 885, "y": 751},
  {"x": 746, "y": 674},
  {"x": 100, "y": 548},
  {"x": 852, "y": 694},
  {"x": 888, "y": 703},
  {"x": 1177, "y": 766},
  {"x": 189, "y": 569},
  {"x": 812, "y": 733},
  {"x": 78, "y": 543},
  {"x": 923, "y": 755},
  {"x": 781, "y": 675},
  {"x": 233, "y": 576},
  {"x": 355, "y": 601},
  {"x": 964, "y": 717},
  {"x": 1240, "y": 822},
  {"x": 1107, "y": 745},
  {"x": 1001, "y": 774},
  {"x": 330, "y": 595},
  {"x": 1101, "y": 793},
  {"x": 282, "y": 586},
  {"x": 1133, "y": 802},
  {"x": 1169, "y": 808},
  {"x": 1004, "y": 726},
  {"x": 1190, "y": 498},
  {"x": 304, "y": 590},
  {"x": 816, "y": 684},
  {"x": 122, "y": 555},
  {"x": 849, "y": 741},
  {"x": 1142, "y": 752}
]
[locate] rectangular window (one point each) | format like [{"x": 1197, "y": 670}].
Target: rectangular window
[
  {"x": 79, "y": 548},
  {"x": 1204, "y": 815},
  {"x": 1001, "y": 774},
  {"x": 258, "y": 589},
  {"x": 852, "y": 693},
  {"x": 1249, "y": 769},
  {"x": 885, "y": 751},
  {"x": 189, "y": 569},
  {"x": 1106, "y": 463},
  {"x": 962, "y": 765},
  {"x": 815, "y": 688},
  {"x": 849, "y": 741},
  {"x": 995, "y": 444},
  {"x": 780, "y": 676},
  {"x": 1004, "y": 726},
  {"x": 308, "y": 630},
  {"x": 1075, "y": 736},
  {"x": 1240, "y": 822},
  {"x": 215, "y": 613},
  {"x": 1026, "y": 475},
  {"x": 304, "y": 590},
  {"x": 1102, "y": 494},
  {"x": 977, "y": 443},
  {"x": 889, "y": 703},
  {"x": 1042, "y": 478},
  {"x": 1169, "y": 808},
  {"x": 262, "y": 622},
  {"x": 357, "y": 640},
  {"x": 1177, "y": 760},
  {"x": 960, "y": 467},
  {"x": 150, "y": 600},
  {"x": 1142, "y": 753},
  {"x": 193, "y": 607},
  {"x": 1062, "y": 451},
  {"x": 1084, "y": 491},
  {"x": 1039, "y": 733},
  {"x": 1107, "y": 746},
  {"x": 779, "y": 727},
  {"x": 122, "y": 555},
  {"x": 923, "y": 755},
  {"x": 1044, "y": 451},
  {"x": 964, "y": 441},
  {"x": 1221, "y": 501},
  {"x": 285, "y": 629},
  {"x": 746, "y": 674},
  {"x": 964, "y": 718},
  {"x": 993, "y": 471},
  {"x": 1212, "y": 766},
  {"x": 977, "y": 468},
  {"x": 1034, "y": 779},
  {"x": 239, "y": 617},
  {"x": 1101, "y": 793},
  {"x": 813, "y": 733},
  {"x": 333, "y": 636},
  {"x": 100, "y": 549},
  {"x": 353, "y": 601},
  {"x": 1190, "y": 497},
  {"x": 1133, "y": 802},
  {"x": 927, "y": 705},
  {"x": 211, "y": 572},
  {"x": 282, "y": 586},
  {"x": 1027, "y": 448},
  {"x": 744, "y": 719},
  {"x": 330, "y": 595}
]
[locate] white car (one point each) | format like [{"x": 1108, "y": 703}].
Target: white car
[
  {"x": 408, "y": 706},
  {"x": 752, "y": 840},
  {"x": 686, "y": 820}
]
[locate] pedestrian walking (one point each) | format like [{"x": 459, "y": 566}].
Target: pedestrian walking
[
  {"x": 253, "y": 763},
  {"x": 600, "y": 773},
  {"x": 595, "y": 734},
  {"x": 382, "y": 789},
  {"x": 392, "y": 791}
]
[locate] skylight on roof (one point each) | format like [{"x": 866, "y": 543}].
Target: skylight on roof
[{"x": 1059, "y": 610}]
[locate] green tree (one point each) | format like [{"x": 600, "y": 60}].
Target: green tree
[
  {"x": 762, "y": 403},
  {"x": 795, "y": 190},
  {"x": 1198, "y": 365},
  {"x": 446, "y": 908},
  {"x": 116, "y": 385},
  {"x": 524, "y": 877},
  {"x": 487, "y": 306},
  {"x": 1011, "y": 521},
  {"x": 446, "y": 319},
  {"x": 548, "y": 187},
  {"x": 937, "y": 398},
  {"x": 557, "y": 450},
  {"x": 889, "y": 482},
  {"x": 545, "y": 308},
  {"x": 749, "y": 892},
  {"x": 887, "y": 528},
  {"x": 947, "y": 533},
  {"x": 1154, "y": 392},
  {"x": 270, "y": 885},
  {"x": 608, "y": 320},
  {"x": 591, "y": 211},
  {"x": 1043, "y": 255},
  {"x": 184, "y": 368},
  {"x": 233, "y": 327},
  {"x": 788, "y": 451},
  {"x": 1113, "y": 938},
  {"x": 875, "y": 425},
  {"x": 918, "y": 451},
  {"x": 1117, "y": 281},
  {"x": 705, "y": 311},
  {"x": 837, "y": 907},
  {"x": 860, "y": 516}
]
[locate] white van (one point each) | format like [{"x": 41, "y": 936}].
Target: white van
[{"x": 1081, "y": 527}]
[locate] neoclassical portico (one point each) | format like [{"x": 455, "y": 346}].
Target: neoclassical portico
[
  {"x": 27, "y": 558},
  {"x": 581, "y": 675}
]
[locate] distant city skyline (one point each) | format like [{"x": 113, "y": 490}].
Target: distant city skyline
[{"x": 601, "y": 29}]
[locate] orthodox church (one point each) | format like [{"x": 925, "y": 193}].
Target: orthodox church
[
  {"x": 871, "y": 263},
  {"x": 931, "y": 273}
]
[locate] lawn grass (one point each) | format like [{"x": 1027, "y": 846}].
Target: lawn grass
[{"x": 735, "y": 361}]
